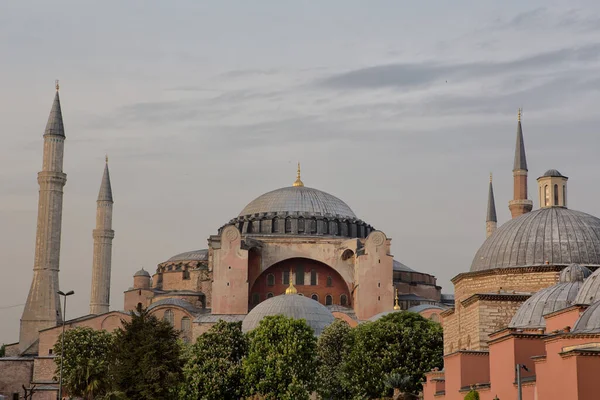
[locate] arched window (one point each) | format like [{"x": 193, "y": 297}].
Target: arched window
[
  {"x": 300, "y": 224},
  {"x": 329, "y": 281},
  {"x": 325, "y": 226},
  {"x": 186, "y": 325},
  {"x": 288, "y": 225},
  {"x": 270, "y": 280},
  {"x": 186, "y": 274},
  {"x": 343, "y": 300},
  {"x": 315, "y": 297},
  {"x": 169, "y": 317},
  {"x": 139, "y": 306},
  {"x": 299, "y": 275},
  {"x": 328, "y": 300},
  {"x": 555, "y": 195},
  {"x": 255, "y": 298},
  {"x": 546, "y": 196},
  {"x": 275, "y": 225},
  {"x": 564, "y": 196},
  {"x": 269, "y": 295},
  {"x": 286, "y": 277},
  {"x": 313, "y": 277}
]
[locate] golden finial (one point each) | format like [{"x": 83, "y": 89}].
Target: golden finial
[
  {"x": 106, "y": 158},
  {"x": 291, "y": 289},
  {"x": 396, "y": 305},
  {"x": 519, "y": 114},
  {"x": 56, "y": 85},
  {"x": 298, "y": 180},
  {"x": 490, "y": 177}
]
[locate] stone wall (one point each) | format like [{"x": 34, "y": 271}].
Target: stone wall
[
  {"x": 15, "y": 372},
  {"x": 44, "y": 369}
]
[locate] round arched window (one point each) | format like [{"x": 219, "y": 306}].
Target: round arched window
[
  {"x": 315, "y": 297},
  {"x": 328, "y": 300}
]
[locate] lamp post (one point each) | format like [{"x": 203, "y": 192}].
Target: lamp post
[
  {"x": 62, "y": 341},
  {"x": 519, "y": 387}
]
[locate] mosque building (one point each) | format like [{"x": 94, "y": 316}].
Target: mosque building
[
  {"x": 527, "y": 313},
  {"x": 295, "y": 251}
]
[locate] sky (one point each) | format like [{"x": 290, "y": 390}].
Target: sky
[{"x": 401, "y": 109}]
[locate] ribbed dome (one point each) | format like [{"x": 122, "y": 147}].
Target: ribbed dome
[
  {"x": 196, "y": 255},
  {"x": 589, "y": 322},
  {"x": 552, "y": 172},
  {"x": 590, "y": 290},
  {"x": 531, "y": 313},
  {"x": 298, "y": 199},
  {"x": 317, "y": 316},
  {"x": 142, "y": 272},
  {"x": 553, "y": 235}
]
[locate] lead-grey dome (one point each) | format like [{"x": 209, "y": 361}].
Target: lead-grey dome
[
  {"x": 195, "y": 255},
  {"x": 589, "y": 322},
  {"x": 298, "y": 199},
  {"x": 590, "y": 290},
  {"x": 317, "y": 316},
  {"x": 531, "y": 313},
  {"x": 553, "y": 235},
  {"x": 142, "y": 272},
  {"x": 553, "y": 172}
]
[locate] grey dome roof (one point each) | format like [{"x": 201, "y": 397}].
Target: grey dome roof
[
  {"x": 196, "y": 255},
  {"x": 186, "y": 305},
  {"x": 423, "y": 307},
  {"x": 590, "y": 290},
  {"x": 317, "y": 316},
  {"x": 382, "y": 314},
  {"x": 298, "y": 199},
  {"x": 553, "y": 172},
  {"x": 551, "y": 299},
  {"x": 142, "y": 272},
  {"x": 555, "y": 235},
  {"x": 589, "y": 322},
  {"x": 398, "y": 266}
]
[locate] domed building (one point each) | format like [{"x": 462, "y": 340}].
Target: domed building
[
  {"x": 521, "y": 302},
  {"x": 293, "y": 235}
]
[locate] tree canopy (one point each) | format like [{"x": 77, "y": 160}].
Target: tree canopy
[
  {"x": 403, "y": 343},
  {"x": 85, "y": 363},
  {"x": 147, "y": 358},
  {"x": 281, "y": 360},
  {"x": 332, "y": 348},
  {"x": 214, "y": 367}
]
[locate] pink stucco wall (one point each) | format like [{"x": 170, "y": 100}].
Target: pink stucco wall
[{"x": 560, "y": 320}]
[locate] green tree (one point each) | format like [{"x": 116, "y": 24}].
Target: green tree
[
  {"x": 333, "y": 346},
  {"x": 86, "y": 363},
  {"x": 472, "y": 395},
  {"x": 147, "y": 358},
  {"x": 3, "y": 350},
  {"x": 399, "y": 343},
  {"x": 281, "y": 361},
  {"x": 214, "y": 368}
]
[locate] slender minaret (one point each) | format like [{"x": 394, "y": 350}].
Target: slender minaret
[
  {"x": 103, "y": 236},
  {"x": 491, "y": 221},
  {"x": 42, "y": 309},
  {"x": 520, "y": 204}
]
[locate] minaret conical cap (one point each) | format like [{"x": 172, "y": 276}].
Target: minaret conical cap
[
  {"x": 491, "y": 208},
  {"x": 55, "y": 126},
  {"x": 520, "y": 158},
  {"x": 105, "y": 193}
]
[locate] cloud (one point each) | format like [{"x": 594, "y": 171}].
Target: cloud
[{"x": 424, "y": 74}]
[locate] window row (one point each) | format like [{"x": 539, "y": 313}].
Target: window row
[
  {"x": 300, "y": 278},
  {"x": 328, "y": 299}
]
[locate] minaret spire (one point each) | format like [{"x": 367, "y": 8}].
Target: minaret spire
[
  {"x": 520, "y": 204},
  {"x": 491, "y": 221},
  {"x": 103, "y": 236},
  {"x": 42, "y": 309}
]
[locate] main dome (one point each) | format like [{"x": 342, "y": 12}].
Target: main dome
[
  {"x": 552, "y": 235},
  {"x": 298, "y": 199}
]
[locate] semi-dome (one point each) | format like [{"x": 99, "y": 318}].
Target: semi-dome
[
  {"x": 589, "y": 321},
  {"x": 298, "y": 199},
  {"x": 317, "y": 316},
  {"x": 552, "y": 235},
  {"x": 531, "y": 313},
  {"x": 195, "y": 255},
  {"x": 590, "y": 290}
]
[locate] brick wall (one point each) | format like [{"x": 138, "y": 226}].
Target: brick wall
[
  {"x": 44, "y": 369},
  {"x": 15, "y": 372}
]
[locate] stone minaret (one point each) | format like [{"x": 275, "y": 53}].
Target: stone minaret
[
  {"x": 520, "y": 204},
  {"x": 103, "y": 236},
  {"x": 490, "y": 221},
  {"x": 42, "y": 309}
]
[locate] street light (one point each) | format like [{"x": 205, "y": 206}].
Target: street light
[
  {"x": 519, "y": 387},
  {"x": 62, "y": 341}
]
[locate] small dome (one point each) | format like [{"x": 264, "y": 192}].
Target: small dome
[
  {"x": 298, "y": 199},
  {"x": 589, "y": 322},
  {"x": 590, "y": 290},
  {"x": 316, "y": 315},
  {"x": 552, "y": 235},
  {"x": 142, "y": 272},
  {"x": 553, "y": 172},
  {"x": 382, "y": 314},
  {"x": 531, "y": 313},
  {"x": 195, "y": 255}
]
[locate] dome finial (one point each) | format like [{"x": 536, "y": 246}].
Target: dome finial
[
  {"x": 56, "y": 85},
  {"x": 106, "y": 158},
  {"x": 519, "y": 114},
  {"x": 298, "y": 180},
  {"x": 490, "y": 177},
  {"x": 396, "y": 305},
  {"x": 291, "y": 289}
]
